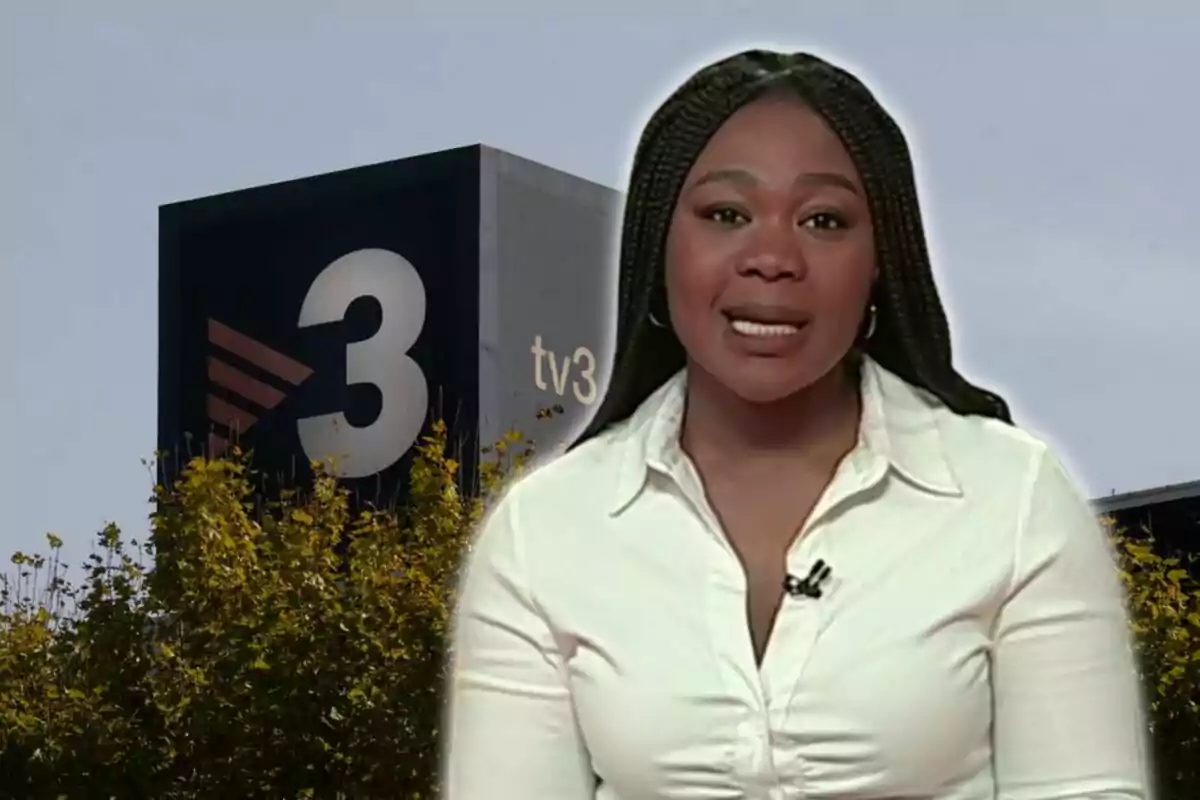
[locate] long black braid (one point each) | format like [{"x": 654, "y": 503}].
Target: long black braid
[{"x": 911, "y": 338}]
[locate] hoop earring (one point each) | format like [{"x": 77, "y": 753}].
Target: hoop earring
[
  {"x": 872, "y": 314},
  {"x": 659, "y": 301}
]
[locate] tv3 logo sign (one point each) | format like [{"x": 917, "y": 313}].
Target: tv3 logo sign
[{"x": 381, "y": 360}]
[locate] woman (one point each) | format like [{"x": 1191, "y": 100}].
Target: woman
[{"x": 796, "y": 554}]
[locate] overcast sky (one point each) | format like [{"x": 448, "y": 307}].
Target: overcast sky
[{"x": 1057, "y": 164}]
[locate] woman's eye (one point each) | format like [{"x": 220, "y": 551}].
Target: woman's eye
[
  {"x": 825, "y": 221},
  {"x": 725, "y": 216}
]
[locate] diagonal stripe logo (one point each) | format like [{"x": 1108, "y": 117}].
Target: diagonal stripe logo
[{"x": 251, "y": 393}]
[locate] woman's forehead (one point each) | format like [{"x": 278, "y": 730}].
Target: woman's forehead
[{"x": 775, "y": 133}]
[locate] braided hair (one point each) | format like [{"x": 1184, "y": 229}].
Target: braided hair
[{"x": 911, "y": 338}]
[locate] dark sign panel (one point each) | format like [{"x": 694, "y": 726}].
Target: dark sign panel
[{"x": 331, "y": 318}]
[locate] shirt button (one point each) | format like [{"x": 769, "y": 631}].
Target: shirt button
[{"x": 751, "y": 749}]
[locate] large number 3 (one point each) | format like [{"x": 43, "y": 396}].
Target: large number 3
[{"x": 381, "y": 361}]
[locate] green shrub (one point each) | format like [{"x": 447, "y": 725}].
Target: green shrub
[
  {"x": 258, "y": 658},
  {"x": 1164, "y": 605}
]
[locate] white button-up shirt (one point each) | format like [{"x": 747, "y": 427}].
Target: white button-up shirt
[{"x": 971, "y": 642}]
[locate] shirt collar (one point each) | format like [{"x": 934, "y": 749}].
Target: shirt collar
[{"x": 898, "y": 424}]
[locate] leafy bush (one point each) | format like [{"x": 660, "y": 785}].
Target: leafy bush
[
  {"x": 278, "y": 650},
  {"x": 1164, "y": 605},
  {"x": 261, "y": 658}
]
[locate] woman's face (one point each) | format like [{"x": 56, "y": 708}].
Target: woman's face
[{"x": 770, "y": 254}]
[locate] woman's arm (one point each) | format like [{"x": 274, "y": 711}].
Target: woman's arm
[
  {"x": 1068, "y": 704},
  {"x": 511, "y": 730}
]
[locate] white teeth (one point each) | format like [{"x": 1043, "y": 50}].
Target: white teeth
[{"x": 748, "y": 328}]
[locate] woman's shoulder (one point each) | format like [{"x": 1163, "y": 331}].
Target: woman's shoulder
[
  {"x": 592, "y": 477},
  {"x": 572, "y": 484},
  {"x": 988, "y": 438},
  {"x": 991, "y": 454},
  {"x": 969, "y": 442}
]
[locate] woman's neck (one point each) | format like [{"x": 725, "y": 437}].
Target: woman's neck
[{"x": 821, "y": 419}]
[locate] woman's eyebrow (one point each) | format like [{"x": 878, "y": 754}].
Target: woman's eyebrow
[{"x": 746, "y": 178}]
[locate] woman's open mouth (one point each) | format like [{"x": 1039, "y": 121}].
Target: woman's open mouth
[
  {"x": 763, "y": 330},
  {"x": 766, "y": 331},
  {"x": 765, "y": 322}
]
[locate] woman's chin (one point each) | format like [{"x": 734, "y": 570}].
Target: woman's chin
[
  {"x": 767, "y": 389},
  {"x": 768, "y": 383}
]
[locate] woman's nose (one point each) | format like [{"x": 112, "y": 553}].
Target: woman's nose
[{"x": 775, "y": 255}]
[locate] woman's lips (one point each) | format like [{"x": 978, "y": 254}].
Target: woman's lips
[
  {"x": 747, "y": 327},
  {"x": 765, "y": 321},
  {"x": 755, "y": 337}
]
